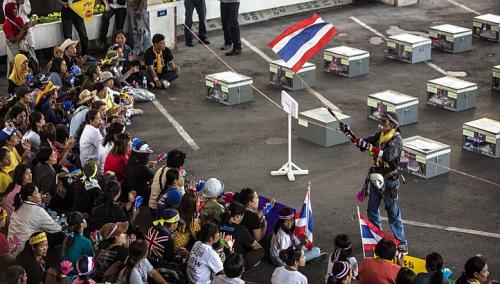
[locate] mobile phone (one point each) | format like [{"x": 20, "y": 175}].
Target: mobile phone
[{"x": 138, "y": 202}]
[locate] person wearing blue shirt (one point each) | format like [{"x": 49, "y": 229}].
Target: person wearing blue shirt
[
  {"x": 75, "y": 245},
  {"x": 174, "y": 184}
]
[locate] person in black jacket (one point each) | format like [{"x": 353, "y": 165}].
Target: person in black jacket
[
  {"x": 385, "y": 148},
  {"x": 138, "y": 174}
]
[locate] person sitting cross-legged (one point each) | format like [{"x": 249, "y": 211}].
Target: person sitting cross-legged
[{"x": 160, "y": 64}]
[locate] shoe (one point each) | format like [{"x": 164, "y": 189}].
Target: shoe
[
  {"x": 204, "y": 40},
  {"x": 189, "y": 43},
  {"x": 234, "y": 52},
  {"x": 402, "y": 249},
  {"x": 134, "y": 111},
  {"x": 165, "y": 84},
  {"x": 226, "y": 46}
]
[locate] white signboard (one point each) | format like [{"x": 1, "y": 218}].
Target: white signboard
[{"x": 290, "y": 105}]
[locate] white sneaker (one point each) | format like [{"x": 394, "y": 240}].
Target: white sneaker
[
  {"x": 165, "y": 84},
  {"x": 135, "y": 111}
]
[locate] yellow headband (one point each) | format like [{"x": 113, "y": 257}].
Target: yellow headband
[
  {"x": 38, "y": 238},
  {"x": 162, "y": 221}
]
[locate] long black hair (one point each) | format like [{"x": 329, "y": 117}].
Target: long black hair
[
  {"x": 26, "y": 191},
  {"x": 35, "y": 117},
  {"x": 91, "y": 114},
  {"x": 136, "y": 251},
  {"x": 284, "y": 212},
  {"x": 472, "y": 266},
  {"x": 113, "y": 129},
  {"x": 18, "y": 177},
  {"x": 208, "y": 230},
  {"x": 343, "y": 249},
  {"x": 112, "y": 189},
  {"x": 434, "y": 265},
  {"x": 170, "y": 176}
]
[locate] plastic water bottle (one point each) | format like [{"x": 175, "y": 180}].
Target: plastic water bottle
[
  {"x": 144, "y": 82},
  {"x": 64, "y": 222}
]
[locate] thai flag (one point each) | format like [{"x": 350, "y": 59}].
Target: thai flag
[
  {"x": 371, "y": 234},
  {"x": 302, "y": 40},
  {"x": 304, "y": 222}
]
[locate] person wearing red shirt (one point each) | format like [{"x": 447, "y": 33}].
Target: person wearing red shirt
[
  {"x": 380, "y": 269},
  {"x": 117, "y": 159}
]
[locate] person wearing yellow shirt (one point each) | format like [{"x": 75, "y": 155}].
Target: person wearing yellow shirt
[
  {"x": 5, "y": 178},
  {"x": 9, "y": 139}
]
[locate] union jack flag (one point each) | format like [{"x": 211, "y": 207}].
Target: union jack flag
[{"x": 156, "y": 241}]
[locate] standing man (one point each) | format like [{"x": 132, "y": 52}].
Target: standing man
[
  {"x": 385, "y": 148},
  {"x": 201, "y": 9},
  {"x": 160, "y": 64},
  {"x": 69, "y": 19},
  {"x": 139, "y": 20},
  {"x": 112, "y": 7},
  {"x": 229, "y": 10}
]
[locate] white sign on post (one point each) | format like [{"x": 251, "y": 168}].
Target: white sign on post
[{"x": 289, "y": 105}]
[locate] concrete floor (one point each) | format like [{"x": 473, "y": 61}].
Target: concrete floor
[{"x": 242, "y": 144}]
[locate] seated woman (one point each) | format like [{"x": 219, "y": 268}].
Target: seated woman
[
  {"x": 60, "y": 76},
  {"x": 112, "y": 64},
  {"x": 18, "y": 117},
  {"x": 138, "y": 270},
  {"x": 75, "y": 245},
  {"x": 175, "y": 160},
  {"x": 32, "y": 135},
  {"x": 188, "y": 211},
  {"x": 22, "y": 176},
  {"x": 46, "y": 104},
  {"x": 283, "y": 237},
  {"x": 85, "y": 267},
  {"x": 112, "y": 248},
  {"x": 15, "y": 30},
  {"x": 107, "y": 143},
  {"x": 173, "y": 190},
  {"x": 117, "y": 159},
  {"x": 57, "y": 52},
  {"x": 294, "y": 258},
  {"x": 138, "y": 174},
  {"x": 28, "y": 217},
  {"x": 244, "y": 242},
  {"x": 32, "y": 257},
  {"x": 5, "y": 178},
  {"x": 128, "y": 56},
  {"x": 17, "y": 77},
  {"x": 10, "y": 139},
  {"x": 93, "y": 74},
  {"x": 254, "y": 221},
  {"x": 110, "y": 210}
]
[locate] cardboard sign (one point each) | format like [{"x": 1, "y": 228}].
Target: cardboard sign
[
  {"x": 84, "y": 9},
  {"x": 417, "y": 265}
]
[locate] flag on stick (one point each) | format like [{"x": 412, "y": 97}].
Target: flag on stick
[
  {"x": 371, "y": 234},
  {"x": 302, "y": 40},
  {"x": 304, "y": 222}
]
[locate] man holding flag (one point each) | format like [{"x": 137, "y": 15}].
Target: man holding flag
[{"x": 383, "y": 177}]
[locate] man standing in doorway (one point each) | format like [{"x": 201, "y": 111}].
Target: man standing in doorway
[
  {"x": 229, "y": 10},
  {"x": 385, "y": 148},
  {"x": 201, "y": 9}
]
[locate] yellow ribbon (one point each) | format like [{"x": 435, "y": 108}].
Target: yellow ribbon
[
  {"x": 162, "y": 221},
  {"x": 159, "y": 68}
]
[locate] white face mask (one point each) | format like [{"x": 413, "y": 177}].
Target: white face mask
[{"x": 377, "y": 180}]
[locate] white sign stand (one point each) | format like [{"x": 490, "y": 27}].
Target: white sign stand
[{"x": 289, "y": 169}]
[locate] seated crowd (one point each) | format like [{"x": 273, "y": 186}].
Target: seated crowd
[{"x": 73, "y": 182}]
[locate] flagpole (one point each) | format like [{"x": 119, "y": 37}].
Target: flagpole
[{"x": 361, "y": 234}]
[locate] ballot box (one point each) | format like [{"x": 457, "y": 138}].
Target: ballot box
[
  {"x": 346, "y": 61},
  {"x": 487, "y": 27},
  {"x": 320, "y": 127},
  {"x": 495, "y": 82},
  {"x": 406, "y": 107},
  {"x": 450, "y": 38},
  {"x": 424, "y": 157},
  {"x": 451, "y": 93},
  {"x": 282, "y": 76},
  {"x": 409, "y": 48},
  {"x": 482, "y": 136},
  {"x": 229, "y": 88}
]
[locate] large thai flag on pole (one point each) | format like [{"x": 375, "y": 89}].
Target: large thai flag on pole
[
  {"x": 371, "y": 234},
  {"x": 302, "y": 40},
  {"x": 304, "y": 222}
]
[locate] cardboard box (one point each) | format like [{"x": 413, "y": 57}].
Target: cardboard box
[
  {"x": 229, "y": 88},
  {"x": 346, "y": 61},
  {"x": 450, "y": 38},
  {"x": 451, "y": 93},
  {"x": 406, "y": 107},
  {"x": 281, "y": 75},
  {"x": 409, "y": 48},
  {"x": 322, "y": 134},
  {"x": 424, "y": 157},
  {"x": 482, "y": 136},
  {"x": 487, "y": 27}
]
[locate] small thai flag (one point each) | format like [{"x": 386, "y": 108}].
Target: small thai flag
[
  {"x": 304, "y": 222},
  {"x": 302, "y": 40},
  {"x": 371, "y": 234}
]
